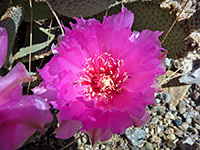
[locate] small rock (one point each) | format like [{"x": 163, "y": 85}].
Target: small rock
[
  {"x": 162, "y": 109},
  {"x": 171, "y": 144},
  {"x": 185, "y": 126},
  {"x": 192, "y": 77},
  {"x": 178, "y": 121},
  {"x": 158, "y": 101},
  {"x": 179, "y": 133},
  {"x": 188, "y": 120},
  {"x": 168, "y": 62},
  {"x": 182, "y": 103},
  {"x": 169, "y": 115},
  {"x": 136, "y": 136},
  {"x": 165, "y": 97},
  {"x": 171, "y": 137},
  {"x": 157, "y": 130},
  {"x": 197, "y": 126},
  {"x": 190, "y": 114},
  {"x": 181, "y": 110},
  {"x": 172, "y": 107},
  {"x": 188, "y": 141},
  {"x": 149, "y": 146}
]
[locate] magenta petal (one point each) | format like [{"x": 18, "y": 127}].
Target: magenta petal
[
  {"x": 123, "y": 19},
  {"x": 3, "y": 45},
  {"x": 11, "y": 83},
  {"x": 68, "y": 128},
  {"x": 20, "y": 119}
]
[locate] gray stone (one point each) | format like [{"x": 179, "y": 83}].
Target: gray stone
[
  {"x": 157, "y": 101},
  {"x": 192, "y": 77},
  {"x": 179, "y": 133},
  {"x": 188, "y": 120},
  {"x": 178, "y": 121},
  {"x": 190, "y": 114},
  {"x": 165, "y": 97},
  {"x": 182, "y": 104},
  {"x": 136, "y": 136},
  {"x": 168, "y": 62},
  {"x": 188, "y": 141}
]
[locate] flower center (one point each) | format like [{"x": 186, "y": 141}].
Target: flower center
[{"x": 102, "y": 77}]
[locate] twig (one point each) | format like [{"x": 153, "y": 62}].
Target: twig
[
  {"x": 174, "y": 22},
  {"x": 53, "y": 12},
  {"x": 31, "y": 40},
  {"x": 48, "y": 44}
]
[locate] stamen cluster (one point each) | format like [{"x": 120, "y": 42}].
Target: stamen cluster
[{"x": 102, "y": 76}]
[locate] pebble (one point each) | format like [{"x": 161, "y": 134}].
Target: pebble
[
  {"x": 188, "y": 120},
  {"x": 197, "y": 126},
  {"x": 169, "y": 115},
  {"x": 136, "y": 136},
  {"x": 172, "y": 107},
  {"x": 178, "y": 121},
  {"x": 179, "y": 133},
  {"x": 171, "y": 144},
  {"x": 162, "y": 110},
  {"x": 185, "y": 126},
  {"x": 182, "y": 104},
  {"x": 158, "y": 101},
  {"x": 171, "y": 136},
  {"x": 190, "y": 114},
  {"x": 192, "y": 77},
  {"x": 165, "y": 97},
  {"x": 181, "y": 110},
  {"x": 149, "y": 146},
  {"x": 188, "y": 140}
]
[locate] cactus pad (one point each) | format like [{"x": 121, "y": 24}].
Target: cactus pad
[
  {"x": 40, "y": 9},
  {"x": 85, "y": 8},
  {"x": 149, "y": 15}
]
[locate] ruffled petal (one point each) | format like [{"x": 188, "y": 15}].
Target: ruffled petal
[{"x": 11, "y": 83}]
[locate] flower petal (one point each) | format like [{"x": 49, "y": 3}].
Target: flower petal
[
  {"x": 11, "y": 83},
  {"x": 20, "y": 119}
]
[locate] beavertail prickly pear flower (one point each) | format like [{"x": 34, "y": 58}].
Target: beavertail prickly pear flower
[
  {"x": 102, "y": 76},
  {"x": 20, "y": 116}
]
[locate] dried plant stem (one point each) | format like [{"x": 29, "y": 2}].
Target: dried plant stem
[
  {"x": 31, "y": 40},
  {"x": 174, "y": 73},
  {"x": 53, "y": 12},
  {"x": 174, "y": 22},
  {"x": 48, "y": 44}
]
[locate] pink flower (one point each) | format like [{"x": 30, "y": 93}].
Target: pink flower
[
  {"x": 4, "y": 45},
  {"x": 102, "y": 76},
  {"x": 20, "y": 116}
]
